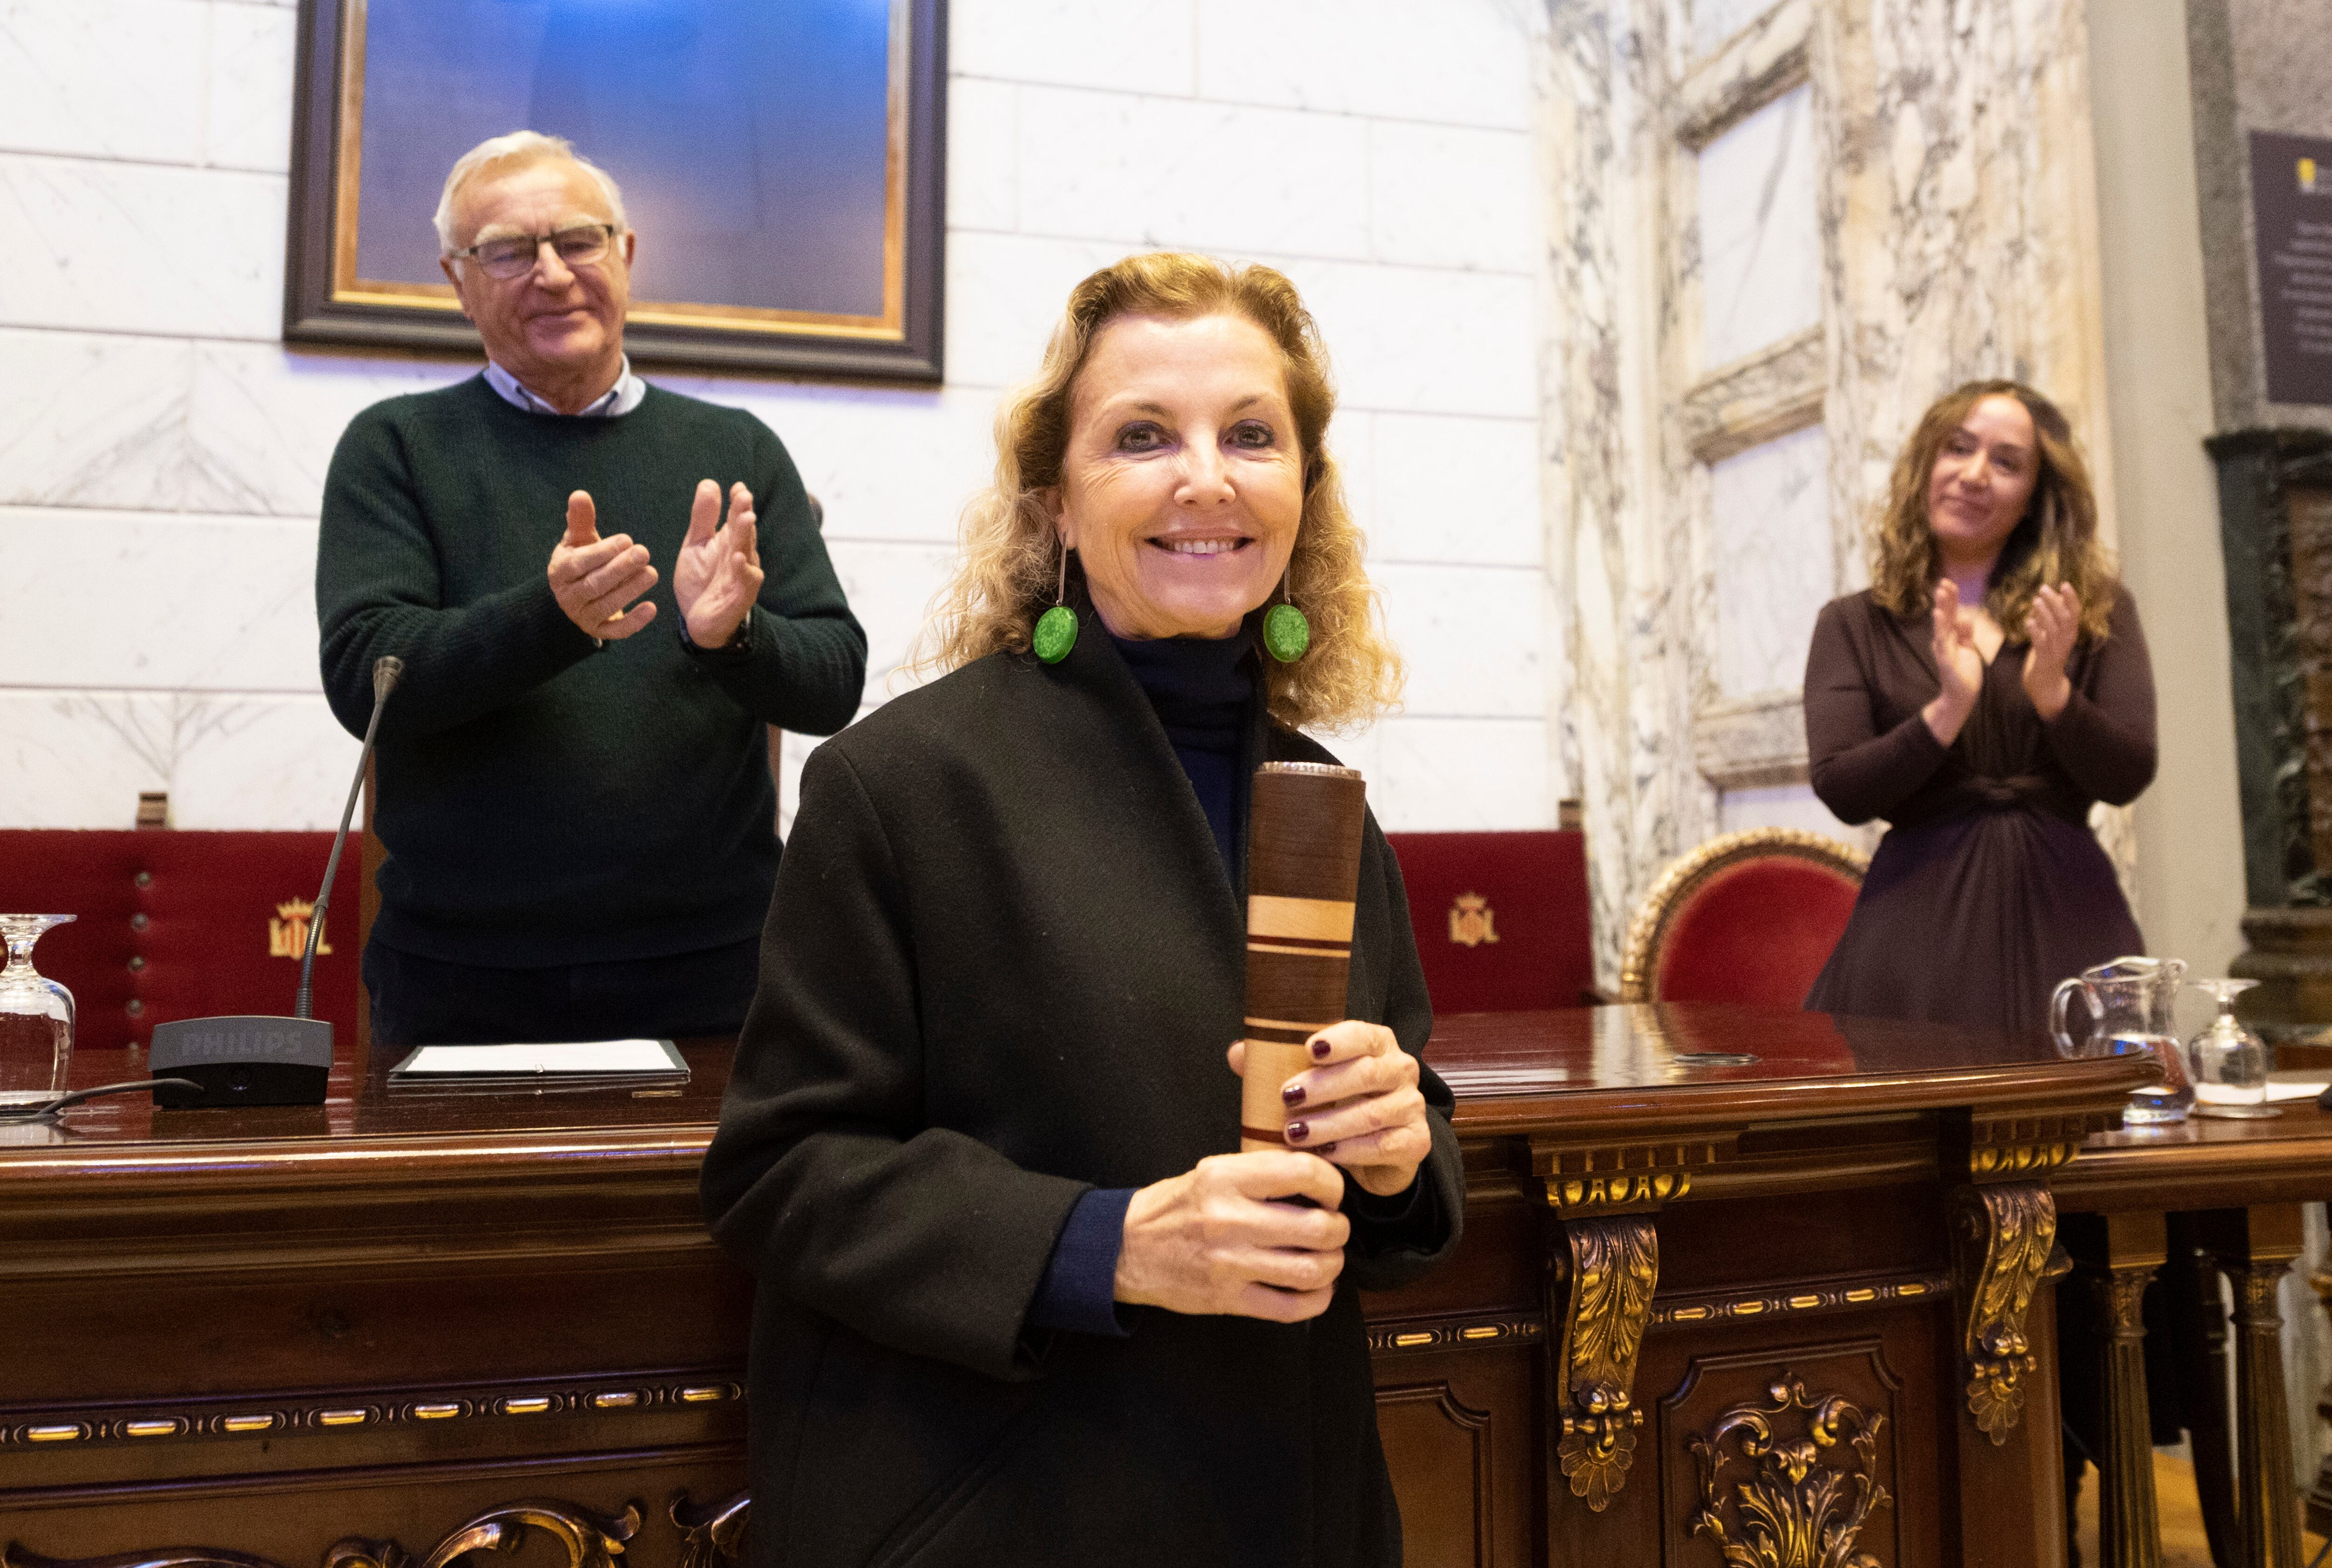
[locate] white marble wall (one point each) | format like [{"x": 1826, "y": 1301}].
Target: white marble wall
[
  {"x": 161, "y": 452},
  {"x": 1966, "y": 238},
  {"x": 1755, "y": 188},
  {"x": 1778, "y": 229},
  {"x": 1770, "y": 527}
]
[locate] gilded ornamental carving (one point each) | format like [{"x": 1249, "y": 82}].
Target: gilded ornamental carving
[
  {"x": 1606, "y": 1276},
  {"x": 711, "y": 1534},
  {"x": 588, "y": 1538},
  {"x": 1603, "y": 1263},
  {"x": 2005, "y": 1232},
  {"x": 1790, "y": 1482},
  {"x": 204, "y": 1419}
]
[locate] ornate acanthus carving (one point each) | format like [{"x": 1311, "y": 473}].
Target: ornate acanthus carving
[
  {"x": 2006, "y": 1231},
  {"x": 713, "y": 1533},
  {"x": 1605, "y": 1273},
  {"x": 1771, "y": 1499},
  {"x": 590, "y": 1540}
]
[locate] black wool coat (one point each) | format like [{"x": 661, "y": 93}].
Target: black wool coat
[{"x": 1001, "y": 968}]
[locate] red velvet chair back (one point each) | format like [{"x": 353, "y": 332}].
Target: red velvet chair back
[
  {"x": 184, "y": 925},
  {"x": 1501, "y": 918},
  {"x": 1749, "y": 917}
]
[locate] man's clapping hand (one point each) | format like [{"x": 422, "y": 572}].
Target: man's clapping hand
[
  {"x": 715, "y": 582},
  {"x": 719, "y": 573},
  {"x": 594, "y": 579}
]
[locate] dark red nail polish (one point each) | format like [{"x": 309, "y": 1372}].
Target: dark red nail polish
[
  {"x": 1297, "y": 1132},
  {"x": 1292, "y": 1095},
  {"x": 1320, "y": 1049}
]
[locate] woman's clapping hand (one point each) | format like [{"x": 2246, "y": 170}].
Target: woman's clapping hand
[
  {"x": 1959, "y": 665},
  {"x": 2052, "y": 629}
]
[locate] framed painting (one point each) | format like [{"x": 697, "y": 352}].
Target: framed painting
[{"x": 780, "y": 160}]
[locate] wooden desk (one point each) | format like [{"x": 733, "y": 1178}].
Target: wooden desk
[
  {"x": 304, "y": 1335},
  {"x": 268, "y": 1330},
  {"x": 2244, "y": 1183}
]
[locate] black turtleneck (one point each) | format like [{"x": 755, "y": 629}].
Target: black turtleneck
[{"x": 1200, "y": 687}]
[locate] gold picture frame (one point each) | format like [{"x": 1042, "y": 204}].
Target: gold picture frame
[{"x": 329, "y": 300}]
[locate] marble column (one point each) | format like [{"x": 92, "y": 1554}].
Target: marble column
[{"x": 1622, "y": 574}]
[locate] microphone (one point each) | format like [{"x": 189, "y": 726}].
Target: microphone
[
  {"x": 258, "y": 1060},
  {"x": 385, "y": 672}
]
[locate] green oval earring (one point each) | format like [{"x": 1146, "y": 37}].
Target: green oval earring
[
  {"x": 1056, "y": 628},
  {"x": 1285, "y": 633}
]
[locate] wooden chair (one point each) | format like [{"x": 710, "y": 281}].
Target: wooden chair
[{"x": 1747, "y": 917}]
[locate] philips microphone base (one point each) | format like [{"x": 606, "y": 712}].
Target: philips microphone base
[{"x": 242, "y": 1061}]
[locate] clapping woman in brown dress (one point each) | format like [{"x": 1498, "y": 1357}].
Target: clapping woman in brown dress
[{"x": 1989, "y": 687}]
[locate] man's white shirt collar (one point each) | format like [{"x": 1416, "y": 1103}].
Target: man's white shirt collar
[{"x": 620, "y": 400}]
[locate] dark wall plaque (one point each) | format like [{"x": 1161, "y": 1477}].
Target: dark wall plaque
[{"x": 2291, "y": 205}]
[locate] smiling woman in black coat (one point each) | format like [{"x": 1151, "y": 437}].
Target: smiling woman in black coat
[{"x": 1018, "y": 1301}]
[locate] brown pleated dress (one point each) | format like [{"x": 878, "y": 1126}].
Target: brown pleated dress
[{"x": 1988, "y": 888}]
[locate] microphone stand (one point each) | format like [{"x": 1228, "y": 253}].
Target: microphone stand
[
  {"x": 385, "y": 672},
  {"x": 254, "y": 1060}
]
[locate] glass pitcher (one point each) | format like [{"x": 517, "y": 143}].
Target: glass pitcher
[{"x": 2129, "y": 1002}]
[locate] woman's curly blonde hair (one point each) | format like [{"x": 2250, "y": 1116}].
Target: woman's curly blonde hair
[
  {"x": 2055, "y": 542},
  {"x": 1010, "y": 563}
]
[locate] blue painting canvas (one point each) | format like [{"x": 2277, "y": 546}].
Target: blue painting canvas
[{"x": 753, "y": 139}]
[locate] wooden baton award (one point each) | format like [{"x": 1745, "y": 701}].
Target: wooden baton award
[{"x": 1303, "y": 869}]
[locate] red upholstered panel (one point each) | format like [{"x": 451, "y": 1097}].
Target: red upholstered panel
[
  {"x": 1759, "y": 931},
  {"x": 212, "y": 903},
  {"x": 1524, "y": 943}
]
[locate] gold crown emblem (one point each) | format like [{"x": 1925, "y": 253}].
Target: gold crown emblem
[
  {"x": 1471, "y": 921},
  {"x": 287, "y": 930}
]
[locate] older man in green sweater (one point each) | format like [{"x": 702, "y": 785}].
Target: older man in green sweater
[{"x": 573, "y": 776}]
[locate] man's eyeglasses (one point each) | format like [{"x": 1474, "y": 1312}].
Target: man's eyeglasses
[{"x": 513, "y": 255}]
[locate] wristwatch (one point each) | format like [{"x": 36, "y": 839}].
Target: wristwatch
[{"x": 739, "y": 643}]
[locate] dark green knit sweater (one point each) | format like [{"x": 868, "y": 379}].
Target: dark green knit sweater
[{"x": 543, "y": 803}]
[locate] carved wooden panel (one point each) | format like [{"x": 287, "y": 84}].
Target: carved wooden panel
[
  {"x": 295, "y": 1520},
  {"x": 1458, "y": 1433},
  {"x": 1439, "y": 1452},
  {"x": 1771, "y": 1452}
]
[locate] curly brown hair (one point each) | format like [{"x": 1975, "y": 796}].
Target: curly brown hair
[
  {"x": 1008, "y": 568},
  {"x": 2055, "y": 541}
]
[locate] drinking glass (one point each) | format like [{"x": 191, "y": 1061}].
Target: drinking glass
[
  {"x": 2231, "y": 1055},
  {"x": 36, "y": 1016}
]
